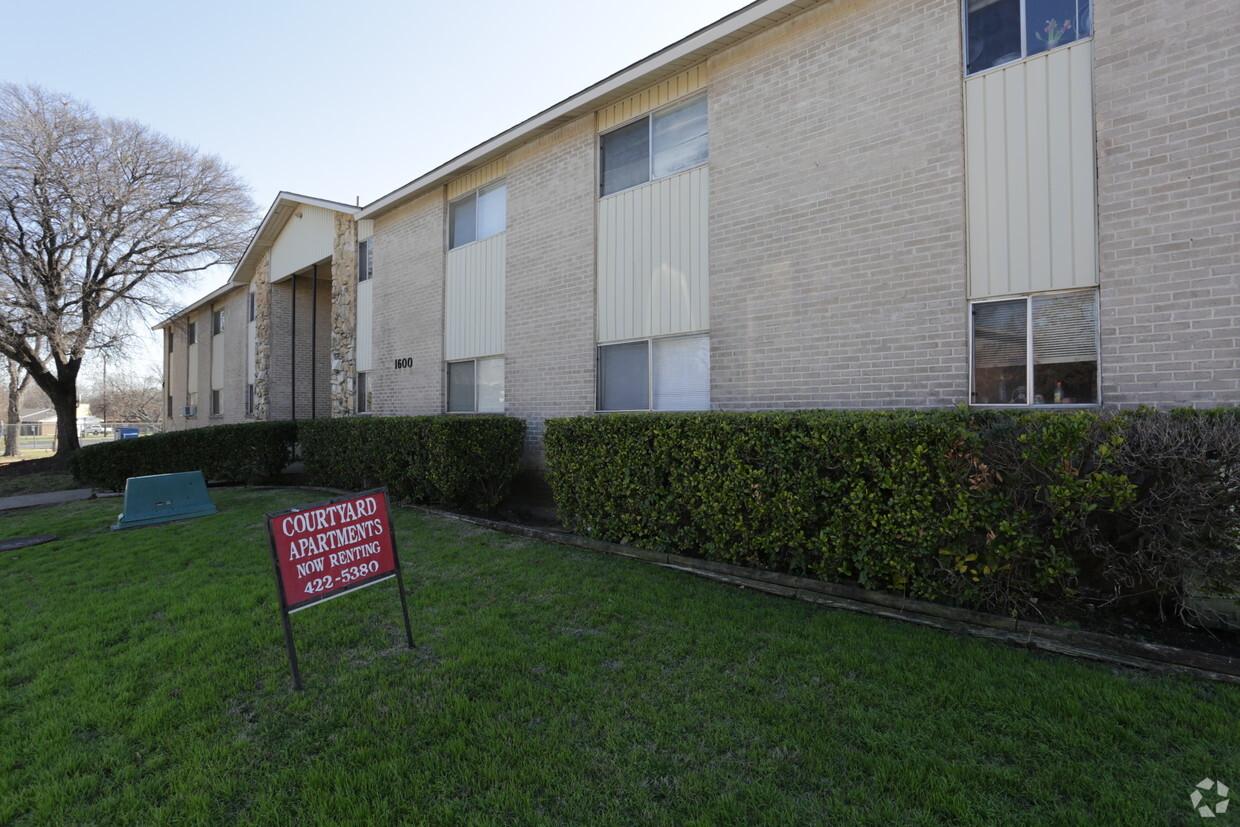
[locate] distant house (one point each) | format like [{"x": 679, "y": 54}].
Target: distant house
[
  {"x": 806, "y": 204},
  {"x": 42, "y": 422}
]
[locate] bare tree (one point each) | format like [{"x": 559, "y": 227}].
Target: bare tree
[
  {"x": 98, "y": 219},
  {"x": 126, "y": 397},
  {"x": 18, "y": 380}
]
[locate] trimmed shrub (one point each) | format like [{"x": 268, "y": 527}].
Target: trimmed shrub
[
  {"x": 248, "y": 452},
  {"x": 463, "y": 461},
  {"x": 990, "y": 509}
]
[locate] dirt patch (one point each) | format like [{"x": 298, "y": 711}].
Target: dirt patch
[{"x": 26, "y": 467}]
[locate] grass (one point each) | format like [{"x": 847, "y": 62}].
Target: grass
[
  {"x": 145, "y": 680},
  {"x": 36, "y": 484}
]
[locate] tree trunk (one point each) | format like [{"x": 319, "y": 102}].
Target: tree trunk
[
  {"x": 65, "y": 403},
  {"x": 13, "y": 420}
]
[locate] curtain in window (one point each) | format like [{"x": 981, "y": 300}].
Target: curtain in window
[
  {"x": 624, "y": 377},
  {"x": 682, "y": 374},
  {"x": 460, "y": 387},
  {"x": 1065, "y": 329},
  {"x": 999, "y": 336},
  {"x": 680, "y": 137},
  {"x": 491, "y": 385}
]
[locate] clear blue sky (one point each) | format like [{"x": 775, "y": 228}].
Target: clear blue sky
[{"x": 333, "y": 99}]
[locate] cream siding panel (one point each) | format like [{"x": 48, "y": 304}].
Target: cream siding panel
[
  {"x": 303, "y": 241},
  {"x": 364, "y": 343},
  {"x": 365, "y": 229},
  {"x": 653, "y": 273},
  {"x": 217, "y": 361},
  {"x": 474, "y": 301},
  {"x": 1029, "y": 151},
  {"x": 191, "y": 379},
  {"x": 686, "y": 83},
  {"x": 479, "y": 177}
]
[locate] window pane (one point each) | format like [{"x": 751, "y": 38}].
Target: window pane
[
  {"x": 491, "y": 385},
  {"x": 365, "y": 260},
  {"x": 1051, "y": 23},
  {"x": 680, "y": 137},
  {"x": 623, "y": 377},
  {"x": 1065, "y": 348},
  {"x": 992, "y": 29},
  {"x": 682, "y": 374},
  {"x": 462, "y": 222},
  {"x": 624, "y": 156},
  {"x": 460, "y": 387},
  {"x": 492, "y": 206},
  {"x": 999, "y": 362},
  {"x": 363, "y": 393}
]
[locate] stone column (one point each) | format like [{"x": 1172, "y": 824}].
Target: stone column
[
  {"x": 344, "y": 317},
  {"x": 262, "y": 336}
]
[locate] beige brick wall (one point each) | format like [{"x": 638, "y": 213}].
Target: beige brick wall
[
  {"x": 550, "y": 333},
  {"x": 837, "y": 211},
  {"x": 408, "y": 300},
  {"x": 284, "y": 355},
  {"x": 1167, "y": 103}
]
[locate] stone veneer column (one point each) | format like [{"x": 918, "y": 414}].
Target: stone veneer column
[
  {"x": 262, "y": 336},
  {"x": 344, "y": 316}
]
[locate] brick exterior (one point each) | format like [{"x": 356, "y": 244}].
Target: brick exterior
[
  {"x": 1167, "y": 103},
  {"x": 549, "y": 368},
  {"x": 837, "y": 221},
  {"x": 408, "y": 301},
  {"x": 291, "y": 350}
]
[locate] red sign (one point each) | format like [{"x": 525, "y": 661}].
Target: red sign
[{"x": 326, "y": 549}]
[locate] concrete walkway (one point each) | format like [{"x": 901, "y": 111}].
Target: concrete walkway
[{"x": 49, "y": 498}]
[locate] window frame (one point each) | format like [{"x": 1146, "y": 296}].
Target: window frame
[
  {"x": 365, "y": 261},
  {"x": 1029, "y": 404},
  {"x": 217, "y": 322},
  {"x": 252, "y": 312},
  {"x": 217, "y": 402},
  {"x": 191, "y": 333},
  {"x": 475, "y": 194},
  {"x": 447, "y": 373},
  {"x": 650, "y": 378},
  {"x": 649, "y": 117},
  {"x": 1024, "y": 39}
]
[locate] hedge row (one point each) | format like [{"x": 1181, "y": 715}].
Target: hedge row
[
  {"x": 991, "y": 510},
  {"x": 465, "y": 461},
  {"x": 247, "y": 453}
]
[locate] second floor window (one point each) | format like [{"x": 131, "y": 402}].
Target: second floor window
[
  {"x": 667, "y": 141},
  {"x": 191, "y": 333},
  {"x": 365, "y": 260},
  {"x": 481, "y": 214},
  {"x": 1001, "y": 31},
  {"x": 217, "y": 322}
]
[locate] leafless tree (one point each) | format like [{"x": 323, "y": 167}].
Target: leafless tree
[
  {"x": 98, "y": 219},
  {"x": 18, "y": 380},
  {"x": 126, "y": 397}
]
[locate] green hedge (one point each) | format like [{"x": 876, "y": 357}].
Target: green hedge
[
  {"x": 994, "y": 510},
  {"x": 248, "y": 453},
  {"x": 465, "y": 461}
]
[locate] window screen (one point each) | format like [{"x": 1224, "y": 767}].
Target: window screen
[
  {"x": 463, "y": 221},
  {"x": 624, "y": 157},
  {"x": 680, "y": 137},
  {"x": 624, "y": 377},
  {"x": 461, "y": 387},
  {"x": 1000, "y": 340},
  {"x": 682, "y": 373}
]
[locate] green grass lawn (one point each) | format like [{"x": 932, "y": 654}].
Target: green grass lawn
[
  {"x": 36, "y": 484},
  {"x": 144, "y": 680}
]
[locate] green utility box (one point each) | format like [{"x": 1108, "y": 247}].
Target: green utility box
[{"x": 163, "y": 498}]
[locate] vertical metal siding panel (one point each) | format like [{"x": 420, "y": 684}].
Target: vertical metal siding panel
[
  {"x": 498, "y": 292},
  {"x": 1058, "y": 122},
  {"x": 474, "y": 298},
  {"x": 217, "y": 362},
  {"x": 1084, "y": 198},
  {"x": 996, "y": 182},
  {"x": 701, "y": 260},
  {"x": 251, "y": 336},
  {"x": 603, "y": 269},
  {"x": 192, "y": 374},
  {"x": 303, "y": 241},
  {"x": 1040, "y": 171},
  {"x": 1016, "y": 128},
  {"x": 976, "y": 168},
  {"x": 365, "y": 326},
  {"x": 649, "y": 206}
]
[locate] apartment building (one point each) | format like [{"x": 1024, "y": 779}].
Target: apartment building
[{"x": 846, "y": 203}]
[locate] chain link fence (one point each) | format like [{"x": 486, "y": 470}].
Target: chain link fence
[{"x": 38, "y": 439}]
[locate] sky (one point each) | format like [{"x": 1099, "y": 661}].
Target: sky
[{"x": 339, "y": 100}]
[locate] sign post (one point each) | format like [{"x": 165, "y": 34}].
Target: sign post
[{"x": 327, "y": 549}]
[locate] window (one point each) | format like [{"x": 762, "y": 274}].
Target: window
[
  {"x": 169, "y": 406},
  {"x": 365, "y": 260},
  {"x": 667, "y": 141},
  {"x": 1048, "y": 342},
  {"x": 363, "y": 393},
  {"x": 249, "y": 399},
  {"x": 193, "y": 404},
  {"x": 479, "y": 215},
  {"x": 171, "y": 339},
  {"x": 476, "y": 386},
  {"x": 215, "y": 403},
  {"x": 1001, "y": 31},
  {"x": 191, "y": 334},
  {"x": 217, "y": 322},
  {"x": 671, "y": 374},
  {"x": 253, "y": 312}
]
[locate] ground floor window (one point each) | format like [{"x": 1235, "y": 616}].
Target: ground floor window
[
  {"x": 476, "y": 385},
  {"x": 169, "y": 406},
  {"x": 363, "y": 393},
  {"x": 249, "y": 399},
  {"x": 215, "y": 403},
  {"x": 1036, "y": 350},
  {"x": 669, "y": 374},
  {"x": 192, "y": 408}
]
